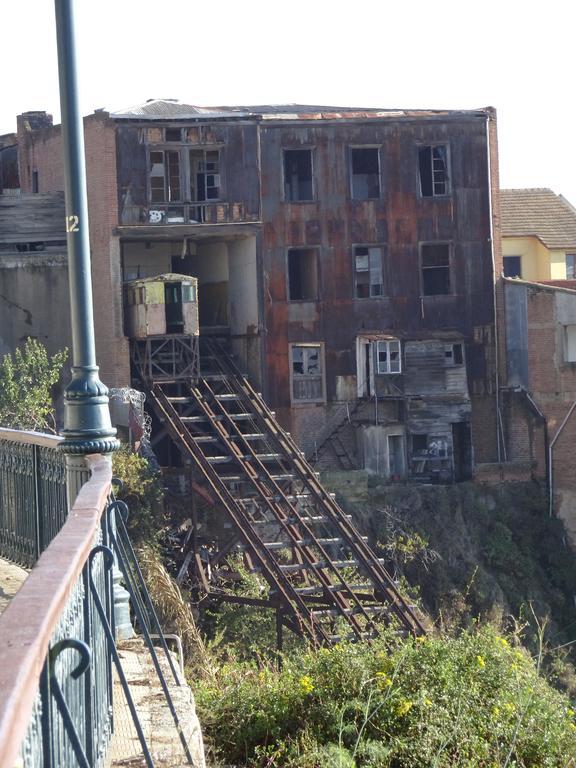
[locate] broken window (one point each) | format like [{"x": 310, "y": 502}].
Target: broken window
[
  {"x": 365, "y": 172},
  {"x": 388, "y": 356},
  {"x": 570, "y": 343},
  {"x": 298, "y": 175},
  {"x": 367, "y": 271},
  {"x": 433, "y": 166},
  {"x": 164, "y": 176},
  {"x": 512, "y": 266},
  {"x": 570, "y": 264},
  {"x": 204, "y": 174},
  {"x": 419, "y": 445},
  {"x": 307, "y": 373},
  {"x": 453, "y": 354},
  {"x": 173, "y": 134},
  {"x": 302, "y": 274},
  {"x": 435, "y": 269}
]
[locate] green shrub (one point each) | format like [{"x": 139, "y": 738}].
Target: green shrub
[
  {"x": 471, "y": 700},
  {"x": 143, "y": 493}
]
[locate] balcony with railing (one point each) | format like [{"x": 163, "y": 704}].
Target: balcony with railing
[{"x": 59, "y": 665}]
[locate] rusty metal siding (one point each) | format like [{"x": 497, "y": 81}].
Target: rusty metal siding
[
  {"x": 400, "y": 220},
  {"x": 239, "y": 163}
]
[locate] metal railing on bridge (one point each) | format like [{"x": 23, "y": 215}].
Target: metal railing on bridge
[{"x": 57, "y": 635}]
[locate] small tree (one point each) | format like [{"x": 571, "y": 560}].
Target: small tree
[{"x": 26, "y": 381}]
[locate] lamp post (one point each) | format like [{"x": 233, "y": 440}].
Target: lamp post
[{"x": 87, "y": 425}]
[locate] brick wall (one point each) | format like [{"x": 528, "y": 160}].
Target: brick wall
[{"x": 41, "y": 150}]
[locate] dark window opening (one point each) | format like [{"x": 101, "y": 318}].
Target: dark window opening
[
  {"x": 453, "y": 354},
  {"x": 512, "y": 266},
  {"x": 436, "y": 269},
  {"x": 35, "y": 182},
  {"x": 433, "y": 165},
  {"x": 570, "y": 264},
  {"x": 173, "y": 134},
  {"x": 298, "y": 175},
  {"x": 302, "y": 274},
  {"x": 365, "y": 173},
  {"x": 173, "y": 306},
  {"x": 368, "y": 271},
  {"x": 419, "y": 444},
  {"x": 205, "y": 175}
]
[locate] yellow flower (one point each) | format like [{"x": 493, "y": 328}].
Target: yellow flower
[
  {"x": 481, "y": 662},
  {"x": 383, "y": 680},
  {"x": 421, "y": 639},
  {"x": 503, "y": 642},
  {"x": 495, "y": 711},
  {"x": 403, "y": 708},
  {"x": 427, "y": 702},
  {"x": 509, "y": 707},
  {"x": 306, "y": 685}
]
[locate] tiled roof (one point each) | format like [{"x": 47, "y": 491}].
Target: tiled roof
[{"x": 540, "y": 213}]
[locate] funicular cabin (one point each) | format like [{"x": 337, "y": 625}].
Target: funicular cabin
[{"x": 161, "y": 317}]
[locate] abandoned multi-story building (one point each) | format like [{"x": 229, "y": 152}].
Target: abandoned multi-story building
[{"x": 347, "y": 255}]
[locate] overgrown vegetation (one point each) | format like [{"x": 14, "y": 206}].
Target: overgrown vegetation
[
  {"x": 489, "y": 554},
  {"x": 470, "y": 700},
  {"x": 142, "y": 491},
  {"x": 27, "y": 380}
]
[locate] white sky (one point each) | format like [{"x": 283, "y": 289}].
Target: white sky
[{"x": 516, "y": 55}]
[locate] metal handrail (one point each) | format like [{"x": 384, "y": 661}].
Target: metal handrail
[
  {"x": 29, "y": 623},
  {"x": 30, "y": 438}
]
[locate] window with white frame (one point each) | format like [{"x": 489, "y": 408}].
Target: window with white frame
[
  {"x": 570, "y": 343},
  {"x": 388, "y": 357},
  {"x": 368, "y": 271},
  {"x": 433, "y": 168},
  {"x": 307, "y": 373}
]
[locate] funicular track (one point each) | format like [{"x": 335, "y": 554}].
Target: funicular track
[{"x": 291, "y": 528}]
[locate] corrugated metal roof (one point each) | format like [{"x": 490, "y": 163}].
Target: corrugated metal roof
[
  {"x": 166, "y": 109},
  {"x": 538, "y": 213}
]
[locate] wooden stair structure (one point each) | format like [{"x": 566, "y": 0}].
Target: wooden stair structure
[{"x": 325, "y": 582}]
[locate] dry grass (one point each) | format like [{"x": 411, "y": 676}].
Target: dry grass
[{"x": 174, "y": 613}]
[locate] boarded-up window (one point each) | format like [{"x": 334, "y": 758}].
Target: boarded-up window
[
  {"x": 435, "y": 261},
  {"x": 298, "y": 175},
  {"x": 302, "y": 274},
  {"x": 388, "y": 357},
  {"x": 307, "y": 373},
  {"x": 368, "y": 271},
  {"x": 433, "y": 167},
  {"x": 365, "y": 172},
  {"x": 570, "y": 343}
]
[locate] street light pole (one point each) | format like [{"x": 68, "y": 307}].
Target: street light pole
[{"x": 87, "y": 425}]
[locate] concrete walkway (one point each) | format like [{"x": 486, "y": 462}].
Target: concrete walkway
[
  {"x": 155, "y": 718},
  {"x": 11, "y": 579}
]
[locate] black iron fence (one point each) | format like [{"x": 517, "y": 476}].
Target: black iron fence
[{"x": 33, "y": 505}]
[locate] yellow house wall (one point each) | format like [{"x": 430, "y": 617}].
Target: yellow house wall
[
  {"x": 558, "y": 264},
  {"x": 536, "y": 258}
]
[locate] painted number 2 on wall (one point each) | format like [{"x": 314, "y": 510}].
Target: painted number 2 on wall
[{"x": 72, "y": 224}]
